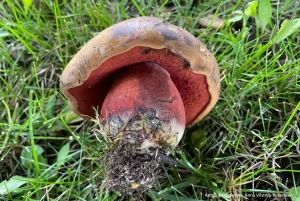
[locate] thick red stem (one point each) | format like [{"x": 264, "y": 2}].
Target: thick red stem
[{"x": 144, "y": 99}]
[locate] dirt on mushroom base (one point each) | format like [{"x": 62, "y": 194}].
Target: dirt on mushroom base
[{"x": 130, "y": 170}]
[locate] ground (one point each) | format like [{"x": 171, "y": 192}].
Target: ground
[{"x": 247, "y": 146}]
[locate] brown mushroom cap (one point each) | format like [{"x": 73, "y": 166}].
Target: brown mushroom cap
[{"x": 193, "y": 69}]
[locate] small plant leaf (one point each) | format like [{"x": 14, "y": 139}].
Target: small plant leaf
[
  {"x": 264, "y": 13},
  {"x": 39, "y": 150},
  {"x": 12, "y": 184},
  {"x": 237, "y": 17},
  {"x": 27, "y": 157},
  {"x": 43, "y": 162},
  {"x": 198, "y": 139},
  {"x": 51, "y": 106},
  {"x": 62, "y": 155},
  {"x": 4, "y": 34},
  {"x": 251, "y": 9},
  {"x": 288, "y": 27},
  {"x": 295, "y": 193}
]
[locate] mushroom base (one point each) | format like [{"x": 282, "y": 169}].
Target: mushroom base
[
  {"x": 142, "y": 112},
  {"x": 131, "y": 171}
]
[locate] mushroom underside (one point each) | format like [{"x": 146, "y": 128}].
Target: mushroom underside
[{"x": 192, "y": 87}]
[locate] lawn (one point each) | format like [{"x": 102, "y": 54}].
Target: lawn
[{"x": 247, "y": 146}]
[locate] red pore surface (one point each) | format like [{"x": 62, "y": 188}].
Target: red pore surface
[
  {"x": 147, "y": 86},
  {"x": 192, "y": 87}
]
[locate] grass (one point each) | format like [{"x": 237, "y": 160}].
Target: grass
[{"x": 249, "y": 142}]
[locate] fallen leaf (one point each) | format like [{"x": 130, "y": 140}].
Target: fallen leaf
[{"x": 211, "y": 21}]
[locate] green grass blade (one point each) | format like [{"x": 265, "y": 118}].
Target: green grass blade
[{"x": 32, "y": 140}]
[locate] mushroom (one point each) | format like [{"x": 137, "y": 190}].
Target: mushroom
[{"x": 147, "y": 79}]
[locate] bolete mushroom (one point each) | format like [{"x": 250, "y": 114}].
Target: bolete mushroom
[{"x": 148, "y": 80}]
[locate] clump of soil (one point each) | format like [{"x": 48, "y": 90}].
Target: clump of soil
[{"x": 131, "y": 171}]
